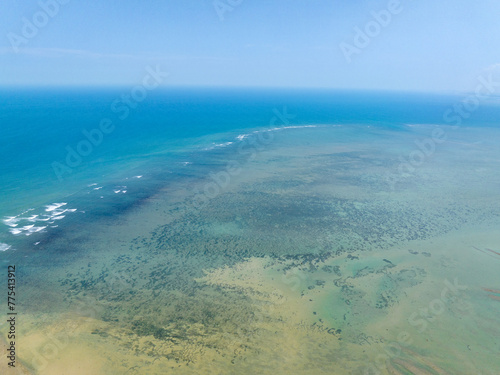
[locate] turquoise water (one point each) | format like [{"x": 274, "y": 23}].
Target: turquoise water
[
  {"x": 220, "y": 228},
  {"x": 161, "y": 136}
]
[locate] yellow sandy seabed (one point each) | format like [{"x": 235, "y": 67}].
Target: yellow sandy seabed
[{"x": 307, "y": 320}]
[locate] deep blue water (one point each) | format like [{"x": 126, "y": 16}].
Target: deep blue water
[{"x": 46, "y": 157}]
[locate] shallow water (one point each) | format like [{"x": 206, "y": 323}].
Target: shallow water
[{"x": 314, "y": 250}]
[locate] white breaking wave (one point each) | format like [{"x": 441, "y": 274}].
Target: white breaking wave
[
  {"x": 4, "y": 246},
  {"x": 11, "y": 221},
  {"x": 120, "y": 189},
  {"x": 241, "y": 137},
  {"x": 54, "y": 206},
  {"x": 218, "y": 145},
  {"x": 51, "y": 213},
  {"x": 291, "y": 127},
  {"x": 223, "y": 144}
]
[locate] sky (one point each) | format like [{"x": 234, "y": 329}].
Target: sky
[{"x": 415, "y": 45}]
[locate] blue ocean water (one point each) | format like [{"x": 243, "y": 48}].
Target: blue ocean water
[
  {"x": 213, "y": 227},
  {"x": 84, "y": 151}
]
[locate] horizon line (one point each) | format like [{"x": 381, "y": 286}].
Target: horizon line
[{"x": 231, "y": 87}]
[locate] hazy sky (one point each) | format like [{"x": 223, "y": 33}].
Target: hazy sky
[{"x": 424, "y": 45}]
